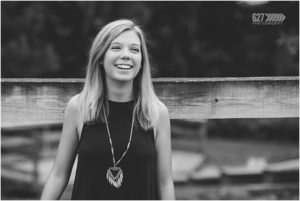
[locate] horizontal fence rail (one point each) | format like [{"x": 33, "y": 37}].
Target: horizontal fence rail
[{"x": 42, "y": 101}]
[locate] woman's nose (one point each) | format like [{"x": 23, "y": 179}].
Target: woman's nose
[{"x": 125, "y": 53}]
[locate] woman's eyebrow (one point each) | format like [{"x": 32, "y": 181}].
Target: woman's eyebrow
[{"x": 119, "y": 43}]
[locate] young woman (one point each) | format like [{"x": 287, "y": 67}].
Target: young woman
[{"x": 117, "y": 126}]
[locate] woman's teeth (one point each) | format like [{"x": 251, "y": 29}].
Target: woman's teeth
[{"x": 124, "y": 66}]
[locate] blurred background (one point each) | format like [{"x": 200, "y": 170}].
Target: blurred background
[{"x": 212, "y": 159}]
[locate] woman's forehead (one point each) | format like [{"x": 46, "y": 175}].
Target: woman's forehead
[{"x": 127, "y": 37}]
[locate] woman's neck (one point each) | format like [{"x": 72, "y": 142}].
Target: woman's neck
[{"x": 119, "y": 91}]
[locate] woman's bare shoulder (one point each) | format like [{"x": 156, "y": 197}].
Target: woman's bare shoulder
[
  {"x": 163, "y": 115},
  {"x": 163, "y": 112},
  {"x": 73, "y": 115},
  {"x": 72, "y": 108},
  {"x": 163, "y": 121},
  {"x": 73, "y": 104}
]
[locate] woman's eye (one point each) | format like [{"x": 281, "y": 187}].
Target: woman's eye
[
  {"x": 115, "y": 47},
  {"x": 135, "y": 50}
]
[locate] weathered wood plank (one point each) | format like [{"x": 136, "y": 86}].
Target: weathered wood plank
[
  {"x": 44, "y": 100},
  {"x": 216, "y": 98}
]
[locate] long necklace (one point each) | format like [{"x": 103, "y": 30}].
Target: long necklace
[{"x": 116, "y": 180}]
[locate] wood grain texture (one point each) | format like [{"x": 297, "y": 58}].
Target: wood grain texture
[
  {"x": 218, "y": 98},
  {"x": 38, "y": 101}
]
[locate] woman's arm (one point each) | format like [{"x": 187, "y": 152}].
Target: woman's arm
[
  {"x": 61, "y": 170},
  {"x": 164, "y": 162}
]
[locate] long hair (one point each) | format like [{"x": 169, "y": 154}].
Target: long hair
[{"x": 93, "y": 98}]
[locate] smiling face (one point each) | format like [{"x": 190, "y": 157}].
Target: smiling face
[{"x": 123, "y": 58}]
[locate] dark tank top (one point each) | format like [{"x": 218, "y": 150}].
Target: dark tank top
[{"x": 95, "y": 157}]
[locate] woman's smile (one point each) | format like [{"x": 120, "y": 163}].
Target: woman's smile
[{"x": 124, "y": 66}]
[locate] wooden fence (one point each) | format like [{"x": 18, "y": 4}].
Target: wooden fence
[{"x": 40, "y": 103}]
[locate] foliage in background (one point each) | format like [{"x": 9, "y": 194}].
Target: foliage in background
[{"x": 186, "y": 39}]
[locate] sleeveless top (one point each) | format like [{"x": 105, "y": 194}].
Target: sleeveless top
[{"x": 95, "y": 157}]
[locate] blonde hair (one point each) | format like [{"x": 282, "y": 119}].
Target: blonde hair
[{"x": 93, "y": 98}]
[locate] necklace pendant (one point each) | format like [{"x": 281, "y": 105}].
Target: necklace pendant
[{"x": 114, "y": 176}]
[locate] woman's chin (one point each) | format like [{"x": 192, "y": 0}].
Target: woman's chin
[{"x": 124, "y": 78}]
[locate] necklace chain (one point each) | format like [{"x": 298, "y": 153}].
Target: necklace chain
[{"x": 110, "y": 141}]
